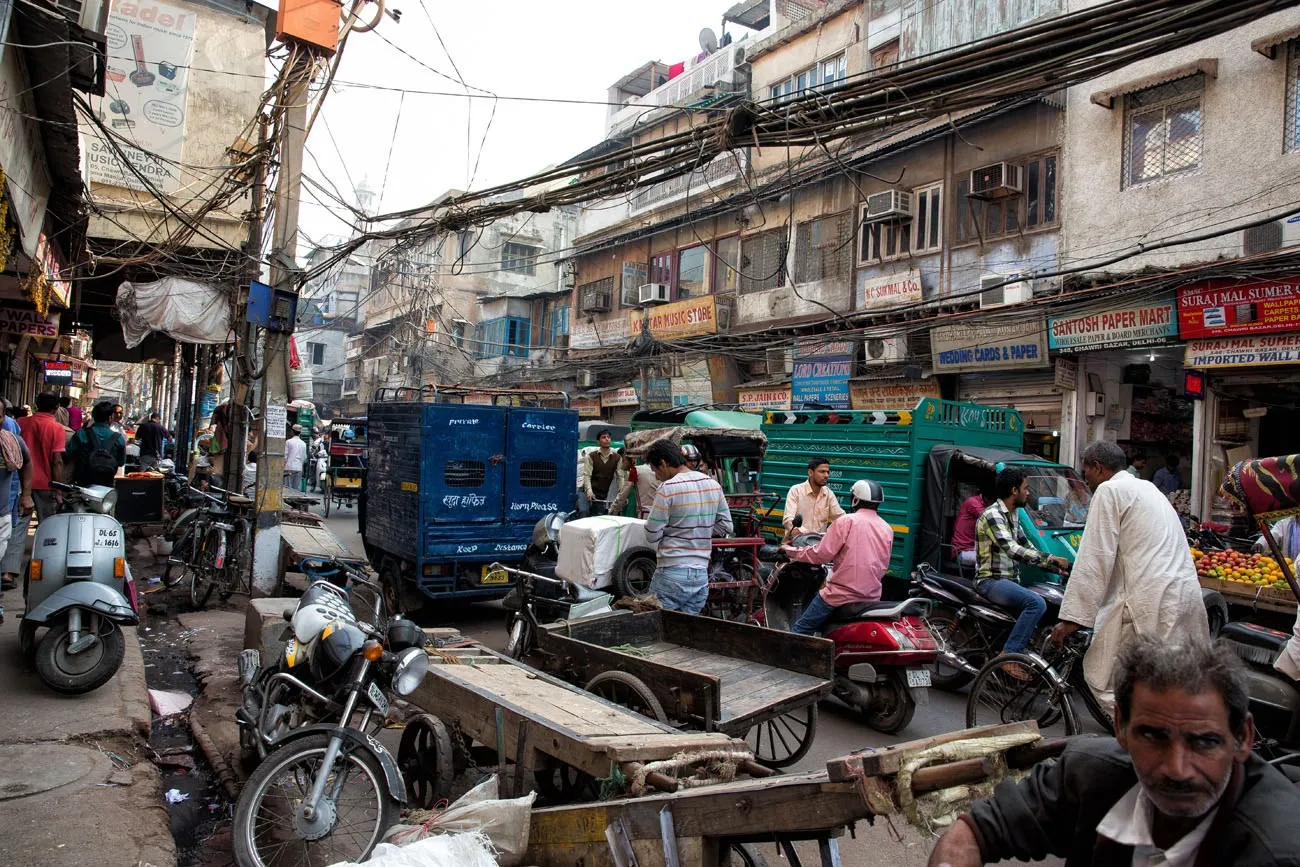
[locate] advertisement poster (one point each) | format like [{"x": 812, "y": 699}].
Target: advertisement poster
[
  {"x": 1243, "y": 351},
  {"x": 150, "y": 50},
  {"x": 659, "y": 393},
  {"x": 822, "y": 381},
  {"x": 986, "y": 346},
  {"x": 679, "y": 319},
  {"x": 884, "y": 293},
  {"x": 892, "y": 395},
  {"x": 759, "y": 399},
  {"x": 22, "y": 153},
  {"x": 1135, "y": 325},
  {"x": 610, "y": 333},
  {"x": 1226, "y": 308}
]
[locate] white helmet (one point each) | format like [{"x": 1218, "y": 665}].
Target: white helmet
[{"x": 868, "y": 493}]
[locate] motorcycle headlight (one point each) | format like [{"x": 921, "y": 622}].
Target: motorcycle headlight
[
  {"x": 554, "y": 525},
  {"x": 108, "y": 502},
  {"x": 412, "y": 666}
]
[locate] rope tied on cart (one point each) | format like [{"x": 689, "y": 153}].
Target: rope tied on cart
[
  {"x": 720, "y": 766},
  {"x": 936, "y": 810}
]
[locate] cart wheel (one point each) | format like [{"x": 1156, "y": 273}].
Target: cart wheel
[
  {"x": 781, "y": 741},
  {"x": 564, "y": 784},
  {"x": 629, "y": 691},
  {"x": 743, "y": 855},
  {"x": 425, "y": 759}
]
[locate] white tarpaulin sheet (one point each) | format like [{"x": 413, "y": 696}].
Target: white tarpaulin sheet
[
  {"x": 589, "y": 547},
  {"x": 188, "y": 312}
]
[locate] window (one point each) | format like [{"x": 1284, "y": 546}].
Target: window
[
  {"x": 762, "y": 260},
  {"x": 726, "y": 265},
  {"x": 692, "y": 272},
  {"x": 538, "y": 474},
  {"x": 464, "y": 242},
  {"x": 927, "y": 224},
  {"x": 464, "y": 474},
  {"x": 596, "y": 296},
  {"x": 878, "y": 242},
  {"x": 458, "y": 333},
  {"x": 559, "y": 323},
  {"x": 833, "y": 71},
  {"x": 1293, "y": 96},
  {"x": 661, "y": 269},
  {"x": 316, "y": 351},
  {"x": 504, "y": 336},
  {"x": 1162, "y": 130},
  {"x": 519, "y": 258},
  {"x": 827, "y": 73},
  {"x": 985, "y": 220},
  {"x": 823, "y": 248},
  {"x": 885, "y": 56}
]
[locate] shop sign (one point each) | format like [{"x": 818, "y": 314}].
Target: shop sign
[
  {"x": 58, "y": 373},
  {"x": 608, "y": 333},
  {"x": 1243, "y": 351},
  {"x": 892, "y": 395},
  {"x": 884, "y": 293},
  {"x": 691, "y": 391},
  {"x": 1225, "y": 308},
  {"x": 759, "y": 399},
  {"x": 1135, "y": 325},
  {"x": 625, "y": 396},
  {"x": 52, "y": 266},
  {"x": 821, "y": 380},
  {"x": 634, "y": 275},
  {"x": 479, "y": 399},
  {"x": 684, "y": 318},
  {"x": 1067, "y": 373},
  {"x": 17, "y": 323},
  {"x": 586, "y": 407},
  {"x": 659, "y": 393},
  {"x": 834, "y": 349},
  {"x": 989, "y": 346}
]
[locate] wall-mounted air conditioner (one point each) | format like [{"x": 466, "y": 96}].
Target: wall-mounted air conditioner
[
  {"x": 586, "y": 378},
  {"x": 889, "y": 205},
  {"x": 1271, "y": 237},
  {"x": 653, "y": 293},
  {"x": 996, "y": 181},
  {"x": 886, "y": 350},
  {"x": 996, "y": 291},
  {"x": 779, "y": 362}
]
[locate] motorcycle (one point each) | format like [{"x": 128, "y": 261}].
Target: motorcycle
[
  {"x": 79, "y": 588},
  {"x": 882, "y": 649},
  {"x": 297, "y": 715},
  {"x": 536, "y": 599}
]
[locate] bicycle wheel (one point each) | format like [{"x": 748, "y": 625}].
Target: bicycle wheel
[
  {"x": 204, "y": 576},
  {"x": 1080, "y": 685},
  {"x": 239, "y": 547},
  {"x": 182, "y": 551},
  {"x": 997, "y": 696}
]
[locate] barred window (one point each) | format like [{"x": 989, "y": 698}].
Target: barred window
[
  {"x": 823, "y": 248},
  {"x": 762, "y": 260},
  {"x": 538, "y": 474},
  {"x": 1293, "y": 96},
  {"x": 464, "y": 474},
  {"x": 519, "y": 258},
  {"x": 1162, "y": 130}
]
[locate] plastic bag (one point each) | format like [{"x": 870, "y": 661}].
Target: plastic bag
[
  {"x": 443, "y": 850},
  {"x": 504, "y": 822}
]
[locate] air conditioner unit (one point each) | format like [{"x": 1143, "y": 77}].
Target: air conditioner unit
[
  {"x": 586, "y": 378},
  {"x": 1271, "y": 237},
  {"x": 595, "y": 301},
  {"x": 779, "y": 362},
  {"x": 996, "y": 181},
  {"x": 653, "y": 293},
  {"x": 996, "y": 291},
  {"x": 889, "y": 205},
  {"x": 886, "y": 350},
  {"x": 561, "y": 341}
]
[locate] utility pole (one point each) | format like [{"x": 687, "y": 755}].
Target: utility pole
[{"x": 275, "y": 379}]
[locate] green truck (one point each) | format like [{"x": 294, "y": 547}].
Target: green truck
[{"x": 928, "y": 459}]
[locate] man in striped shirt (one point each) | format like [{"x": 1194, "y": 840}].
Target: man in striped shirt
[{"x": 689, "y": 509}]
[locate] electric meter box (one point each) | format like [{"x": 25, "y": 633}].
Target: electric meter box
[
  {"x": 312, "y": 21},
  {"x": 273, "y": 309}
]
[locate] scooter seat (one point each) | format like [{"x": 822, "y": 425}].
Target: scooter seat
[
  {"x": 855, "y": 611},
  {"x": 1254, "y": 643},
  {"x": 237, "y": 500},
  {"x": 584, "y": 594}
]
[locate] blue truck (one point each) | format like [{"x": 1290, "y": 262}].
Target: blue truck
[{"x": 454, "y": 487}]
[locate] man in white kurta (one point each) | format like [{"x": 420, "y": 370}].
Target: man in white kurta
[{"x": 1133, "y": 574}]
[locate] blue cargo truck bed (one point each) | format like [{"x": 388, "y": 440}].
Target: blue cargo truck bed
[{"x": 452, "y": 488}]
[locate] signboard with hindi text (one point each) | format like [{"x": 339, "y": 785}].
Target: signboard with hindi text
[{"x": 904, "y": 394}]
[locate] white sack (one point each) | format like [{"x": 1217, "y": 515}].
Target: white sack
[
  {"x": 589, "y": 547},
  {"x": 445, "y": 850},
  {"x": 505, "y": 822},
  {"x": 189, "y": 312}
]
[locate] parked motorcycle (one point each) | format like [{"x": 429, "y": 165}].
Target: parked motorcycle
[
  {"x": 79, "y": 588},
  {"x": 326, "y": 790},
  {"x": 537, "y": 599},
  {"x": 882, "y": 649}
]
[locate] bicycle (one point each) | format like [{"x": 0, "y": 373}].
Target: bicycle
[
  {"x": 998, "y": 696},
  {"x": 222, "y": 543}
]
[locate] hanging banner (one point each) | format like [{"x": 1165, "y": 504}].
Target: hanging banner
[
  {"x": 609, "y": 333},
  {"x": 586, "y": 407},
  {"x": 1134, "y": 325},
  {"x": 883, "y": 293},
  {"x": 22, "y": 152},
  {"x": 625, "y": 396},
  {"x": 766, "y": 397},
  {"x": 1225, "y": 308},
  {"x": 684, "y": 318},
  {"x": 1243, "y": 351},
  {"x": 17, "y": 323},
  {"x": 989, "y": 346},
  {"x": 892, "y": 395},
  {"x": 150, "y": 50},
  {"x": 823, "y": 381}
]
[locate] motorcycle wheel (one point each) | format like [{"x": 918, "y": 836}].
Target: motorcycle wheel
[
  {"x": 80, "y": 673},
  {"x": 520, "y": 641},
  {"x": 891, "y": 707},
  {"x": 268, "y": 830},
  {"x": 633, "y": 572},
  {"x": 951, "y": 632}
]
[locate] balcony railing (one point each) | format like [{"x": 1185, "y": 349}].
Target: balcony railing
[
  {"x": 724, "y": 169},
  {"x": 718, "y": 68}
]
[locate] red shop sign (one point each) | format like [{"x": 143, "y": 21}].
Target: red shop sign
[{"x": 1226, "y": 307}]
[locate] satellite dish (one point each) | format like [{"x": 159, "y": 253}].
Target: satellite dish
[{"x": 708, "y": 40}]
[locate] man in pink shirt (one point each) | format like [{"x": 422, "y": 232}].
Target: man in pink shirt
[
  {"x": 963, "y": 533},
  {"x": 858, "y": 545}
]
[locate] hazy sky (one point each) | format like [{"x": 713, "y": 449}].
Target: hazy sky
[{"x": 574, "y": 49}]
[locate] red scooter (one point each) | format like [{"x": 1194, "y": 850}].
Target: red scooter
[{"x": 882, "y": 649}]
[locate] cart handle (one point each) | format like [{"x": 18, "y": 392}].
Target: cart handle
[{"x": 520, "y": 573}]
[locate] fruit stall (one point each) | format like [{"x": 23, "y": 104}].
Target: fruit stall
[{"x": 1255, "y": 580}]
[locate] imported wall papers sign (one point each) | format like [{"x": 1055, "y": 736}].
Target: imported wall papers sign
[
  {"x": 680, "y": 319},
  {"x": 150, "y": 48},
  {"x": 883, "y": 293},
  {"x": 1131, "y": 325},
  {"x": 1249, "y": 351},
  {"x": 1227, "y": 308},
  {"x": 989, "y": 345}
]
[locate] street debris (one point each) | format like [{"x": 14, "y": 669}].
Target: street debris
[
  {"x": 175, "y": 796},
  {"x": 166, "y": 703}
]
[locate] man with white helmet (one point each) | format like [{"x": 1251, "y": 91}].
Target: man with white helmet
[{"x": 859, "y": 545}]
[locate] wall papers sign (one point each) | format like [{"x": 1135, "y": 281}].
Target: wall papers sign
[
  {"x": 894, "y": 290},
  {"x": 1250, "y": 351},
  {"x": 989, "y": 346},
  {"x": 150, "y": 48},
  {"x": 625, "y": 396},
  {"x": 1136, "y": 325},
  {"x": 1225, "y": 308},
  {"x": 823, "y": 381},
  {"x": 759, "y": 399},
  {"x": 891, "y": 395},
  {"x": 679, "y": 319},
  {"x": 16, "y": 323},
  {"x": 610, "y": 333}
]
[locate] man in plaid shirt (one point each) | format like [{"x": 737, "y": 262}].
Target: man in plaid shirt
[{"x": 999, "y": 545}]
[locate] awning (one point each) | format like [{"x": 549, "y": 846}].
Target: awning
[
  {"x": 1207, "y": 66},
  {"x": 753, "y": 14},
  {"x": 1268, "y": 45}
]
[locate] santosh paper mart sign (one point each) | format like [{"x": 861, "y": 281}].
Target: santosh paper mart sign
[
  {"x": 1136, "y": 325},
  {"x": 680, "y": 319},
  {"x": 989, "y": 346},
  {"x": 150, "y": 49}
]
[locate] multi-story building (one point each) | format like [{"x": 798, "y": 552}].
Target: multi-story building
[{"x": 330, "y": 310}]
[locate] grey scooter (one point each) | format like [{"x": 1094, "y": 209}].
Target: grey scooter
[{"x": 79, "y": 587}]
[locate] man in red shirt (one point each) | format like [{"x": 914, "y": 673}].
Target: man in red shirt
[
  {"x": 46, "y": 440},
  {"x": 963, "y": 533}
]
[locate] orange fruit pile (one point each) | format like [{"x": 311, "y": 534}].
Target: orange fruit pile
[{"x": 1257, "y": 569}]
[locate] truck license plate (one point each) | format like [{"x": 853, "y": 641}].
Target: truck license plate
[
  {"x": 376, "y": 696},
  {"x": 494, "y": 576},
  {"x": 918, "y": 677}
]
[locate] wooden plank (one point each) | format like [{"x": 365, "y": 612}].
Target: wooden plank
[
  {"x": 888, "y": 760},
  {"x": 766, "y": 694},
  {"x": 651, "y": 748},
  {"x": 613, "y": 629},
  {"x": 800, "y": 653},
  {"x": 739, "y": 724}
]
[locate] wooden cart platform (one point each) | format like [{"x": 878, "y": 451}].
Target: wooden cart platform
[{"x": 299, "y": 542}]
